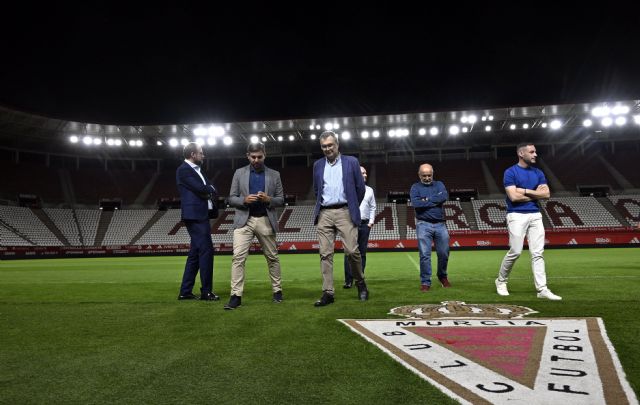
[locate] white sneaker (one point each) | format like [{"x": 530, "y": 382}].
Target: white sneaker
[
  {"x": 547, "y": 294},
  {"x": 501, "y": 288}
]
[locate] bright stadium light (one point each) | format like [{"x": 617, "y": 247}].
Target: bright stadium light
[
  {"x": 484, "y": 118},
  {"x": 512, "y": 127},
  {"x": 97, "y": 141},
  {"x": 587, "y": 123},
  {"x": 391, "y": 133},
  {"x": 463, "y": 119},
  {"x": 620, "y": 109},
  {"x": 227, "y": 140},
  {"x": 158, "y": 143},
  {"x": 543, "y": 125},
  {"x": 318, "y": 126},
  {"x": 264, "y": 139},
  {"x": 375, "y": 134},
  {"x": 118, "y": 142},
  {"x": 491, "y": 118},
  {"x": 555, "y": 124},
  {"x": 487, "y": 128},
  {"x": 215, "y": 131},
  {"x": 200, "y": 141},
  {"x": 620, "y": 121},
  {"x": 336, "y": 126},
  {"x": 328, "y": 126},
  {"x": 364, "y": 134},
  {"x": 73, "y": 139},
  {"x": 211, "y": 141},
  {"x": 525, "y": 126},
  {"x": 345, "y": 135},
  {"x": 312, "y": 137},
  {"x": 87, "y": 140},
  {"x": 173, "y": 142},
  {"x": 184, "y": 141},
  {"x": 422, "y": 132},
  {"x": 454, "y": 130},
  {"x": 311, "y": 127},
  {"x": 636, "y": 119},
  {"x": 434, "y": 131},
  {"x": 280, "y": 138},
  {"x": 606, "y": 121},
  {"x": 465, "y": 130},
  {"x": 139, "y": 142},
  {"x": 291, "y": 137},
  {"x": 200, "y": 131},
  {"x": 254, "y": 139},
  {"x": 110, "y": 142},
  {"x": 602, "y": 111},
  {"x": 472, "y": 119}
]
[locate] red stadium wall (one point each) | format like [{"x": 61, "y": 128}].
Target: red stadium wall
[{"x": 559, "y": 238}]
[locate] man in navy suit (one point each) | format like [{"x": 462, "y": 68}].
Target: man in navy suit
[
  {"x": 339, "y": 188},
  {"x": 196, "y": 201}
]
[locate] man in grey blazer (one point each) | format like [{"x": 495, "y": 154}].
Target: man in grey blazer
[{"x": 256, "y": 192}]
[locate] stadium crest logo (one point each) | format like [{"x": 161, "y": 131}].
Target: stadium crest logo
[{"x": 489, "y": 353}]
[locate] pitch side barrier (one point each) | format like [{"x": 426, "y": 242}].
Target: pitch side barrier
[{"x": 461, "y": 240}]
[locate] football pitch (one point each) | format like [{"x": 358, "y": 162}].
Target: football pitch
[{"x": 110, "y": 330}]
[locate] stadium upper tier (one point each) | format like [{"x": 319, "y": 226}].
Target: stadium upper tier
[{"x": 21, "y": 226}]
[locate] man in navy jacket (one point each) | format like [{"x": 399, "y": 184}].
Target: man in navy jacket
[
  {"x": 339, "y": 189},
  {"x": 196, "y": 201}
]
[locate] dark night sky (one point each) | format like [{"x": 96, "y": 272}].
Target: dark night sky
[{"x": 182, "y": 64}]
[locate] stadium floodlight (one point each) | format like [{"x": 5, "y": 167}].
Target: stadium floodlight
[
  {"x": 620, "y": 121},
  {"x": 158, "y": 143},
  {"x": 491, "y": 118},
  {"x": 487, "y": 128},
  {"x": 601, "y": 111},
  {"x": 200, "y": 131},
  {"x": 454, "y": 130},
  {"x": 465, "y": 130},
  {"x": 118, "y": 142},
  {"x": 311, "y": 127},
  {"x": 184, "y": 141},
  {"x": 111, "y": 142},
  {"x": 364, "y": 134},
  {"x": 216, "y": 131},
  {"x": 336, "y": 125},
  {"x": 318, "y": 126},
  {"x": 620, "y": 110},
  {"x": 606, "y": 121},
  {"x": 391, "y": 133},
  {"x": 345, "y": 135},
  {"x": 264, "y": 139},
  {"x": 484, "y": 118},
  {"x": 87, "y": 140},
  {"x": 587, "y": 123},
  {"x": 555, "y": 124},
  {"x": 211, "y": 141},
  {"x": 512, "y": 127},
  {"x": 139, "y": 142},
  {"x": 173, "y": 142},
  {"x": 472, "y": 119},
  {"x": 422, "y": 132},
  {"x": 312, "y": 137},
  {"x": 280, "y": 138},
  {"x": 291, "y": 137},
  {"x": 97, "y": 141},
  {"x": 375, "y": 134},
  {"x": 636, "y": 119},
  {"x": 200, "y": 141},
  {"x": 73, "y": 139},
  {"x": 463, "y": 119},
  {"x": 434, "y": 131},
  {"x": 543, "y": 125},
  {"x": 525, "y": 126},
  {"x": 227, "y": 140},
  {"x": 328, "y": 126},
  {"x": 254, "y": 139}
]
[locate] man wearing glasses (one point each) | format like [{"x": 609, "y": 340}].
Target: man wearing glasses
[
  {"x": 339, "y": 188},
  {"x": 197, "y": 207}
]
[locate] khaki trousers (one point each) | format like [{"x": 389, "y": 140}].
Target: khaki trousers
[
  {"x": 331, "y": 222},
  {"x": 260, "y": 227}
]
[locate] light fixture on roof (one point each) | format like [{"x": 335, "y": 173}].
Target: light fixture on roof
[
  {"x": 291, "y": 137},
  {"x": 73, "y": 139},
  {"x": 87, "y": 140},
  {"x": 264, "y": 139},
  {"x": 280, "y": 138},
  {"x": 364, "y": 134},
  {"x": 465, "y": 130},
  {"x": 345, "y": 135},
  {"x": 525, "y": 126},
  {"x": 375, "y": 134},
  {"x": 587, "y": 123},
  {"x": 512, "y": 127},
  {"x": 606, "y": 121},
  {"x": 620, "y": 121},
  {"x": 543, "y": 125},
  {"x": 636, "y": 119},
  {"x": 422, "y": 132},
  {"x": 200, "y": 131},
  {"x": 454, "y": 130},
  {"x": 97, "y": 141},
  {"x": 312, "y": 137},
  {"x": 328, "y": 126},
  {"x": 118, "y": 142},
  {"x": 391, "y": 133},
  {"x": 211, "y": 141},
  {"x": 336, "y": 125},
  {"x": 227, "y": 140},
  {"x": 111, "y": 142},
  {"x": 173, "y": 142},
  {"x": 620, "y": 109},
  {"x": 318, "y": 126},
  {"x": 487, "y": 128},
  {"x": 472, "y": 119},
  {"x": 200, "y": 141},
  {"x": 311, "y": 126},
  {"x": 254, "y": 139},
  {"x": 555, "y": 124},
  {"x": 184, "y": 141},
  {"x": 600, "y": 111},
  {"x": 434, "y": 131}
]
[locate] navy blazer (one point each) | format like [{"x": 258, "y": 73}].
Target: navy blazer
[
  {"x": 352, "y": 181},
  {"x": 194, "y": 194}
]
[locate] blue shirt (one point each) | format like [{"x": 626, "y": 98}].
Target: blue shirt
[
  {"x": 427, "y": 200},
  {"x": 333, "y": 188},
  {"x": 256, "y": 183},
  {"x": 529, "y": 178}
]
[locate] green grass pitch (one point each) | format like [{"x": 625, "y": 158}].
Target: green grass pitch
[{"x": 110, "y": 330}]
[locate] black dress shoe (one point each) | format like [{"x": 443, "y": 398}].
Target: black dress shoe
[
  {"x": 326, "y": 299},
  {"x": 348, "y": 285},
  {"x": 189, "y": 296},
  {"x": 234, "y": 302},
  {"x": 363, "y": 292},
  {"x": 209, "y": 297}
]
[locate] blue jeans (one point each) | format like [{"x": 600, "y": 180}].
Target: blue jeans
[{"x": 427, "y": 232}]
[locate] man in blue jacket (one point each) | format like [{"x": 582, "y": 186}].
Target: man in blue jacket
[
  {"x": 339, "y": 189},
  {"x": 196, "y": 201},
  {"x": 428, "y": 197}
]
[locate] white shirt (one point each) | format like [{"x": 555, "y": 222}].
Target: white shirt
[
  {"x": 368, "y": 205},
  {"x": 197, "y": 169},
  {"x": 333, "y": 189}
]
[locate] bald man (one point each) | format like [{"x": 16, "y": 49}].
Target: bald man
[{"x": 428, "y": 197}]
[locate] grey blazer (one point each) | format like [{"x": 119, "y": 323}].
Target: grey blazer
[{"x": 240, "y": 189}]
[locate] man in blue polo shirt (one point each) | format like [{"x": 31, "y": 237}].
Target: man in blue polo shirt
[
  {"x": 525, "y": 185},
  {"x": 427, "y": 198}
]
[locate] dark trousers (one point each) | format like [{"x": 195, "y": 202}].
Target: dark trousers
[
  {"x": 200, "y": 257},
  {"x": 363, "y": 240}
]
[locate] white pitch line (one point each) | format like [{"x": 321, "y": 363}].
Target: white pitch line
[{"x": 412, "y": 260}]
